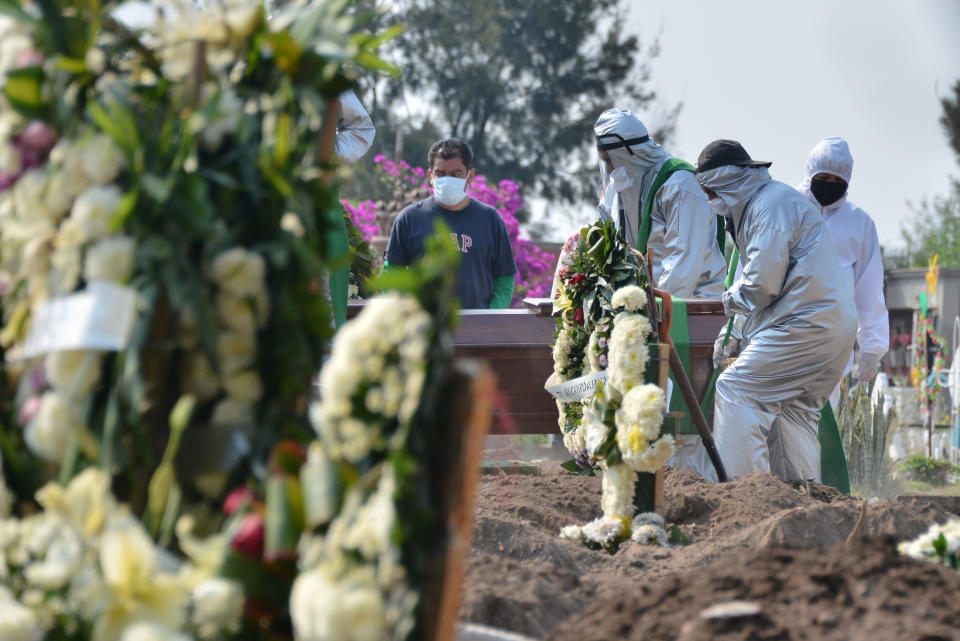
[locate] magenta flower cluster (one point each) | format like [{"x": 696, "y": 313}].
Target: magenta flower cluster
[
  {"x": 534, "y": 275},
  {"x": 364, "y": 217},
  {"x": 401, "y": 174},
  {"x": 534, "y": 266}
]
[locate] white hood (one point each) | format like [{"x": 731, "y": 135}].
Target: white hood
[
  {"x": 829, "y": 156},
  {"x": 642, "y": 162}
]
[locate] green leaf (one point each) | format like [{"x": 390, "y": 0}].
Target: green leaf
[
  {"x": 284, "y": 517},
  {"x": 678, "y": 537},
  {"x": 23, "y": 88},
  {"x": 940, "y": 545},
  {"x": 398, "y": 279}
]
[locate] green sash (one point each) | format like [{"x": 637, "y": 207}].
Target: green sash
[
  {"x": 338, "y": 251},
  {"x": 833, "y": 462},
  {"x": 670, "y": 166}
]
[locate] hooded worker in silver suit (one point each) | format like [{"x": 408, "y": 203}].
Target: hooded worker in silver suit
[
  {"x": 687, "y": 261},
  {"x": 795, "y": 320}
]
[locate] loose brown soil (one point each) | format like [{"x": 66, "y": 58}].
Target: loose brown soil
[{"x": 524, "y": 578}]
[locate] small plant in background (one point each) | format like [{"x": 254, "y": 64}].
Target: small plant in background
[
  {"x": 933, "y": 471},
  {"x": 864, "y": 429}
]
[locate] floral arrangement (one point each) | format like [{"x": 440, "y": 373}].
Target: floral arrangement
[
  {"x": 922, "y": 377},
  {"x": 533, "y": 264},
  {"x": 602, "y": 326},
  {"x": 178, "y": 177},
  {"x": 85, "y": 566},
  {"x": 364, "y": 481},
  {"x": 594, "y": 263},
  {"x": 622, "y": 431},
  {"x": 941, "y": 544}
]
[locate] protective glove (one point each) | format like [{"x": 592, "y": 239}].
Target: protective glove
[
  {"x": 722, "y": 352},
  {"x": 865, "y": 366}
]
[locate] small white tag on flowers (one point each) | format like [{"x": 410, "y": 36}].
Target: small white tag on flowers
[
  {"x": 99, "y": 318},
  {"x": 575, "y": 389}
]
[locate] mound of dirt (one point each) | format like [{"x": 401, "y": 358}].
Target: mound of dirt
[
  {"x": 862, "y": 592},
  {"x": 523, "y": 577}
]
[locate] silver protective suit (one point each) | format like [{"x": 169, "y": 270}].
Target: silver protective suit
[
  {"x": 355, "y": 130},
  {"x": 798, "y": 326},
  {"x": 687, "y": 262}
]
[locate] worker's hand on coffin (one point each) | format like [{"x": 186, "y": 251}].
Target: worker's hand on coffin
[
  {"x": 865, "y": 366},
  {"x": 722, "y": 352}
]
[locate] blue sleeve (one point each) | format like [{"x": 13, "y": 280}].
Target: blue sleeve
[
  {"x": 397, "y": 252},
  {"x": 503, "y": 263}
]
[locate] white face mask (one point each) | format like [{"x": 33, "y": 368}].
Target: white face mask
[
  {"x": 719, "y": 207},
  {"x": 449, "y": 190},
  {"x": 621, "y": 179}
]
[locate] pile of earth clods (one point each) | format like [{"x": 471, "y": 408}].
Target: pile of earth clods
[{"x": 522, "y": 577}]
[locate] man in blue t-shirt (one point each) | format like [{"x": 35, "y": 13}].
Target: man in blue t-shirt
[{"x": 486, "y": 275}]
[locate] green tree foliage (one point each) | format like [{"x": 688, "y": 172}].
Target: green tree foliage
[
  {"x": 522, "y": 82},
  {"x": 935, "y": 226}
]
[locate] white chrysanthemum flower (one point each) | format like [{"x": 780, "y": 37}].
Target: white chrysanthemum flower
[
  {"x": 641, "y": 410},
  {"x": 618, "y": 484},
  {"x": 216, "y": 609},
  {"x": 572, "y": 533},
  {"x": 29, "y": 195},
  {"x": 649, "y": 534},
  {"x": 36, "y": 257},
  {"x": 60, "y": 561},
  {"x": 91, "y": 215},
  {"x": 654, "y": 456},
  {"x": 18, "y": 622},
  {"x": 102, "y": 159},
  {"x": 240, "y": 272},
  {"x": 649, "y": 518},
  {"x": 150, "y": 631},
  {"x": 48, "y": 434},
  {"x": 236, "y": 351},
  {"x": 603, "y": 531},
  {"x": 9, "y": 159},
  {"x": 235, "y": 313},
  {"x": 631, "y": 298},
  {"x": 327, "y": 608},
  {"x": 65, "y": 269},
  {"x": 110, "y": 259},
  {"x": 922, "y": 546},
  {"x": 383, "y": 350},
  {"x": 562, "y": 349}
]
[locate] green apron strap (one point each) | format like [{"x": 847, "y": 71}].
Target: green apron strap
[
  {"x": 707, "y": 404},
  {"x": 680, "y": 335},
  {"x": 338, "y": 253},
  {"x": 833, "y": 462},
  {"x": 670, "y": 166}
]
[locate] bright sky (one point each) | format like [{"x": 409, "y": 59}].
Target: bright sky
[{"x": 780, "y": 76}]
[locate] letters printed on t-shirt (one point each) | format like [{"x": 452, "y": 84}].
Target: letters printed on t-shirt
[{"x": 463, "y": 245}]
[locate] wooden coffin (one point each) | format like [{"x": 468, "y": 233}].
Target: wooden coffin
[{"x": 517, "y": 345}]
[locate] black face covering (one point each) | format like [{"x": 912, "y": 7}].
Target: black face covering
[{"x": 827, "y": 192}]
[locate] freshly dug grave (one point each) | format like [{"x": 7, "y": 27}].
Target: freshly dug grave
[
  {"x": 863, "y": 592},
  {"x": 523, "y": 577}
]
